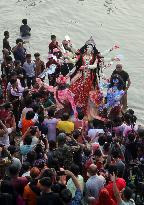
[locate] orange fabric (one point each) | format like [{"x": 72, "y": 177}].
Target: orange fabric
[
  {"x": 26, "y": 124},
  {"x": 29, "y": 196}
]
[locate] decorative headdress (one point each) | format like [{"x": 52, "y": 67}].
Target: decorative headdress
[{"x": 90, "y": 42}]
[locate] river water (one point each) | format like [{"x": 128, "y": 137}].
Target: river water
[{"x": 108, "y": 21}]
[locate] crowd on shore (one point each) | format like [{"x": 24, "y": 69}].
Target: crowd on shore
[{"x": 62, "y": 140}]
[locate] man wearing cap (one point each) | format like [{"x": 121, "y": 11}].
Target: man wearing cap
[{"x": 127, "y": 82}]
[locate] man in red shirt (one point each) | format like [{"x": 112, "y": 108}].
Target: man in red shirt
[
  {"x": 120, "y": 182},
  {"x": 53, "y": 44}
]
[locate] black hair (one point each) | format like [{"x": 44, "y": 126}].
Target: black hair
[
  {"x": 76, "y": 134},
  {"x": 36, "y": 107},
  {"x": 13, "y": 81},
  {"x": 25, "y": 166},
  {"x": 80, "y": 115},
  {"x": 102, "y": 140},
  {"x": 36, "y": 55},
  {"x": 117, "y": 121},
  {"x": 47, "y": 173},
  {"x": 66, "y": 195},
  {"x": 75, "y": 169},
  {"x": 17, "y": 62},
  {"x": 28, "y": 140},
  {"x": 39, "y": 151},
  {"x": 30, "y": 115},
  {"x": 106, "y": 146},
  {"x": 87, "y": 151},
  {"x": 28, "y": 55},
  {"x": 19, "y": 40},
  {"x": 97, "y": 123},
  {"x": 31, "y": 156},
  {"x": 46, "y": 181},
  {"x": 115, "y": 154},
  {"x": 112, "y": 169},
  {"x": 12, "y": 149},
  {"x": 52, "y": 145},
  {"x": 26, "y": 95},
  {"x": 51, "y": 113},
  {"x": 13, "y": 73},
  {"x": 7, "y": 105},
  {"x": 24, "y": 21},
  {"x": 6, "y": 33},
  {"x": 131, "y": 136},
  {"x": 40, "y": 118},
  {"x": 130, "y": 118},
  {"x": 53, "y": 37},
  {"x": 3, "y": 76},
  {"x": 127, "y": 193},
  {"x": 98, "y": 153},
  {"x": 33, "y": 130},
  {"x": 28, "y": 102},
  {"x": 13, "y": 170},
  {"x": 141, "y": 132},
  {"x": 54, "y": 162},
  {"x": 65, "y": 116}
]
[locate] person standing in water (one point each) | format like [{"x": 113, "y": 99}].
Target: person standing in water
[
  {"x": 6, "y": 42},
  {"x": 25, "y": 29},
  {"x": 53, "y": 44},
  {"x": 127, "y": 82}
]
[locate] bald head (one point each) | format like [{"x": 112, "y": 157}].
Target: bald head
[{"x": 92, "y": 169}]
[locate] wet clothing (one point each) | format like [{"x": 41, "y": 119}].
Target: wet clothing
[
  {"x": 25, "y": 30},
  {"x": 6, "y": 44}
]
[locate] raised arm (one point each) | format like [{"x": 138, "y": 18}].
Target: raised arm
[
  {"x": 115, "y": 190},
  {"x": 74, "y": 178}
]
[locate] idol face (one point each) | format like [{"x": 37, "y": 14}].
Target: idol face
[{"x": 89, "y": 49}]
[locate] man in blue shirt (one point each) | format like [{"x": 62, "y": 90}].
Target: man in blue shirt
[
  {"x": 29, "y": 69},
  {"x": 19, "y": 51}
]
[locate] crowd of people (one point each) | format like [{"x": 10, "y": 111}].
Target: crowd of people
[{"x": 63, "y": 139}]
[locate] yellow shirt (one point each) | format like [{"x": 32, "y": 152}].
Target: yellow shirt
[{"x": 65, "y": 126}]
